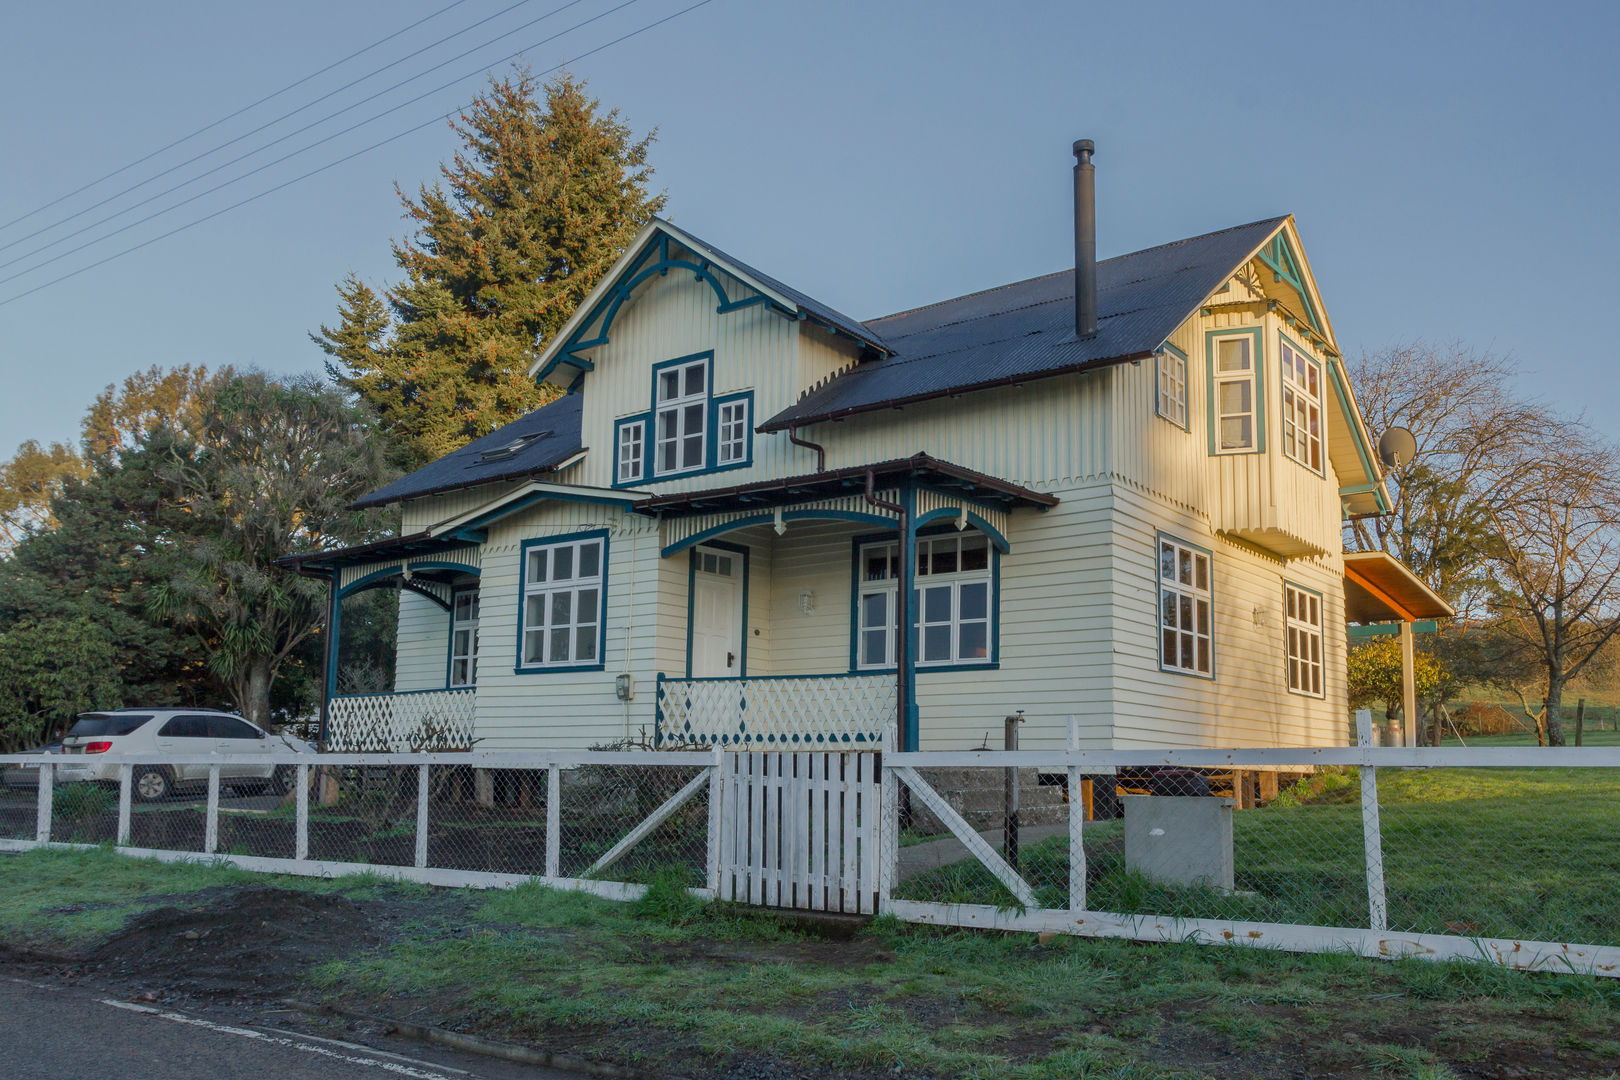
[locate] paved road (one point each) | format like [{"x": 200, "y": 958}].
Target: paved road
[{"x": 52, "y": 1032}]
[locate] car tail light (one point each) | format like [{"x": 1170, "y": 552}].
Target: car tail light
[{"x": 97, "y": 747}]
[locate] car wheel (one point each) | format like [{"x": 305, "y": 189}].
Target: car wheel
[{"x": 152, "y": 783}]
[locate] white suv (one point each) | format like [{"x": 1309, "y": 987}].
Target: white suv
[{"x": 152, "y": 736}]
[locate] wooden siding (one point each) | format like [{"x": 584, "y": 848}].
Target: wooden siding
[{"x": 422, "y": 653}]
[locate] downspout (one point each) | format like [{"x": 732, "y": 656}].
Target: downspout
[
  {"x": 821, "y": 458},
  {"x": 902, "y": 630}
]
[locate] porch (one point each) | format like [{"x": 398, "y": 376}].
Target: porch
[{"x": 775, "y": 713}]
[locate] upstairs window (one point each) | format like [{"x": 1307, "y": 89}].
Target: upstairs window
[
  {"x": 733, "y": 433},
  {"x": 632, "y": 451},
  {"x": 1172, "y": 381},
  {"x": 1304, "y": 628},
  {"x": 1186, "y": 632},
  {"x": 1301, "y": 408},
  {"x": 560, "y": 619},
  {"x": 1236, "y": 421},
  {"x": 680, "y": 417}
]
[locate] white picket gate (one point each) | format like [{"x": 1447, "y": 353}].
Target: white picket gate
[{"x": 800, "y": 830}]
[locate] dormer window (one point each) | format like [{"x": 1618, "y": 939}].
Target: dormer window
[
  {"x": 1235, "y": 394},
  {"x": 689, "y": 430},
  {"x": 680, "y": 417},
  {"x": 1301, "y": 407}
]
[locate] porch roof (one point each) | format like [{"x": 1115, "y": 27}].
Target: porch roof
[
  {"x": 1380, "y": 588},
  {"x": 322, "y": 563},
  {"x": 788, "y": 490}
]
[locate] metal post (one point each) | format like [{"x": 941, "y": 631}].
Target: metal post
[
  {"x": 211, "y": 821},
  {"x": 553, "y": 821},
  {"x": 126, "y": 781},
  {"x": 301, "y": 815},
  {"x": 1371, "y": 829},
  {"x": 1010, "y": 820},
  {"x": 42, "y": 815},
  {"x": 421, "y": 814},
  {"x": 1077, "y": 824}
]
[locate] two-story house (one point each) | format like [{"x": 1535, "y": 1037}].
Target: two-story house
[{"x": 1115, "y": 493}]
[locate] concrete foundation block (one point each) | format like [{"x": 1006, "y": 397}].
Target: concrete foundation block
[{"x": 1180, "y": 839}]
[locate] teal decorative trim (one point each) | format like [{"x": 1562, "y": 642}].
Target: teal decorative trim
[
  {"x": 1278, "y": 256},
  {"x": 1363, "y": 448},
  {"x": 691, "y": 598},
  {"x": 996, "y": 539},
  {"x": 766, "y": 519},
  {"x": 476, "y": 526},
  {"x": 602, "y": 600},
  {"x": 1372, "y": 630},
  {"x": 1258, "y": 334},
  {"x": 372, "y": 579}
]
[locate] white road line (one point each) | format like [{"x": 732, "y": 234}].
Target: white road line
[
  {"x": 381, "y": 1053},
  {"x": 395, "y": 1067}
]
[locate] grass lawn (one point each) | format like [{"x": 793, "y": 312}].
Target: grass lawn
[
  {"x": 1589, "y": 738},
  {"x": 677, "y": 987}
]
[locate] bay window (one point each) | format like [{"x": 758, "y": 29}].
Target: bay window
[
  {"x": 1236, "y": 415},
  {"x": 1301, "y": 407}
]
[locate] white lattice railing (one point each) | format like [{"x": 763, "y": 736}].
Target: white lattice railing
[
  {"x": 415, "y": 720},
  {"x": 787, "y": 711}
]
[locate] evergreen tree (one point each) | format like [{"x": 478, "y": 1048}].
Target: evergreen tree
[{"x": 546, "y": 192}]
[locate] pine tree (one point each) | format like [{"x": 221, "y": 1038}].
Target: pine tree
[{"x": 543, "y": 197}]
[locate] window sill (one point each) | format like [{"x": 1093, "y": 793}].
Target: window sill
[
  {"x": 1207, "y": 677},
  {"x": 560, "y": 669},
  {"x": 1306, "y": 694},
  {"x": 928, "y": 669}
]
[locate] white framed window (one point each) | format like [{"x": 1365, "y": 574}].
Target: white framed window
[
  {"x": 561, "y": 614},
  {"x": 1186, "y": 634},
  {"x": 632, "y": 451},
  {"x": 464, "y": 637},
  {"x": 952, "y": 604},
  {"x": 1303, "y": 618},
  {"x": 680, "y": 417},
  {"x": 731, "y": 446},
  {"x": 1301, "y": 407},
  {"x": 1172, "y": 384},
  {"x": 1236, "y": 413}
]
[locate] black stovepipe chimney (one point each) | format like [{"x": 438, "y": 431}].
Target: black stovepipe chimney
[{"x": 1085, "y": 240}]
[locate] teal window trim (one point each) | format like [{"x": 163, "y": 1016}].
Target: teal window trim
[
  {"x": 1185, "y": 423},
  {"x": 600, "y": 663},
  {"x": 450, "y": 650},
  {"x": 691, "y": 601},
  {"x": 1321, "y": 401},
  {"x": 653, "y": 475},
  {"x": 644, "y": 421},
  {"x": 1320, "y": 630},
  {"x": 1257, "y": 334},
  {"x": 713, "y": 405},
  {"x": 1161, "y": 538},
  {"x": 717, "y": 404},
  {"x": 1278, "y": 256},
  {"x": 993, "y": 607}
]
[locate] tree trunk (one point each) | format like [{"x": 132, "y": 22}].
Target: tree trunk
[
  {"x": 1555, "y": 711},
  {"x": 255, "y": 703}
]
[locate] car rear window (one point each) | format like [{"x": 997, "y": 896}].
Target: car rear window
[
  {"x": 186, "y": 727},
  {"x": 228, "y": 727},
  {"x": 107, "y": 724}
]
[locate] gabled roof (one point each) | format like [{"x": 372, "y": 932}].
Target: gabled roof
[
  {"x": 543, "y": 441},
  {"x": 1026, "y": 330},
  {"x": 657, "y": 250}
]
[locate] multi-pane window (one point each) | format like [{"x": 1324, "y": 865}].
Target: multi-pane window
[
  {"x": 562, "y": 603},
  {"x": 464, "y": 638},
  {"x": 951, "y": 605},
  {"x": 680, "y": 414},
  {"x": 1185, "y": 633},
  {"x": 632, "y": 451},
  {"x": 733, "y": 432},
  {"x": 1235, "y": 414},
  {"x": 1301, "y": 407},
  {"x": 1304, "y": 622},
  {"x": 1173, "y": 386}
]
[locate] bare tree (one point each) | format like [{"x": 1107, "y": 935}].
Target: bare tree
[{"x": 1554, "y": 556}]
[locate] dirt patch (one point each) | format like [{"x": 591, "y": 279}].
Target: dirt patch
[{"x": 248, "y": 941}]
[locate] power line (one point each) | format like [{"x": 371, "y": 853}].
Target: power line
[
  {"x": 267, "y": 124},
  {"x": 232, "y": 116},
  {"x": 333, "y": 164},
  {"x": 290, "y": 154}
]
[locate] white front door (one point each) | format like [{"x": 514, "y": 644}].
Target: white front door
[{"x": 717, "y": 601}]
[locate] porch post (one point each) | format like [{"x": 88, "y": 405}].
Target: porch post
[
  {"x": 329, "y": 653},
  {"x": 906, "y": 669},
  {"x": 1408, "y": 686}
]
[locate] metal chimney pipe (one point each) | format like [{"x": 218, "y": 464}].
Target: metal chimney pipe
[{"x": 1085, "y": 240}]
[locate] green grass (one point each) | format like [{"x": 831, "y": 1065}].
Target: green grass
[
  {"x": 675, "y": 985},
  {"x": 1589, "y": 738}
]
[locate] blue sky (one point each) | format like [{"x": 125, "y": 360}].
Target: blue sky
[{"x": 1451, "y": 165}]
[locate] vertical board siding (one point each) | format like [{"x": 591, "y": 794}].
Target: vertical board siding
[{"x": 422, "y": 655}]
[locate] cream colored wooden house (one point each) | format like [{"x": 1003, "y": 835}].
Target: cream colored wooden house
[{"x": 709, "y": 535}]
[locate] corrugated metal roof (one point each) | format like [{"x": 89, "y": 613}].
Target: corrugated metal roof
[
  {"x": 1026, "y": 330},
  {"x": 552, "y": 434}
]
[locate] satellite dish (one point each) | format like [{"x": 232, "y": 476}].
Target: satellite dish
[{"x": 1396, "y": 447}]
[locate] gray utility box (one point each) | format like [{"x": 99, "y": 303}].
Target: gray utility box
[{"x": 1180, "y": 839}]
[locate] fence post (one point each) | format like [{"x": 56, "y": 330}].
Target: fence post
[
  {"x": 42, "y": 815},
  {"x": 889, "y": 827},
  {"x": 1371, "y": 829},
  {"x": 126, "y": 780},
  {"x": 421, "y": 814},
  {"x": 716, "y": 807},
  {"x": 553, "y": 822},
  {"x": 1077, "y": 824},
  {"x": 211, "y": 821},
  {"x": 1010, "y": 812},
  {"x": 301, "y": 815}
]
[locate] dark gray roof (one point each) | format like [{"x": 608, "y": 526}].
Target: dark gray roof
[
  {"x": 556, "y": 424},
  {"x": 813, "y": 307},
  {"x": 1026, "y": 330}
]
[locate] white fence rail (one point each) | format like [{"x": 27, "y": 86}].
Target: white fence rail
[
  {"x": 779, "y": 713},
  {"x": 391, "y": 723}
]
